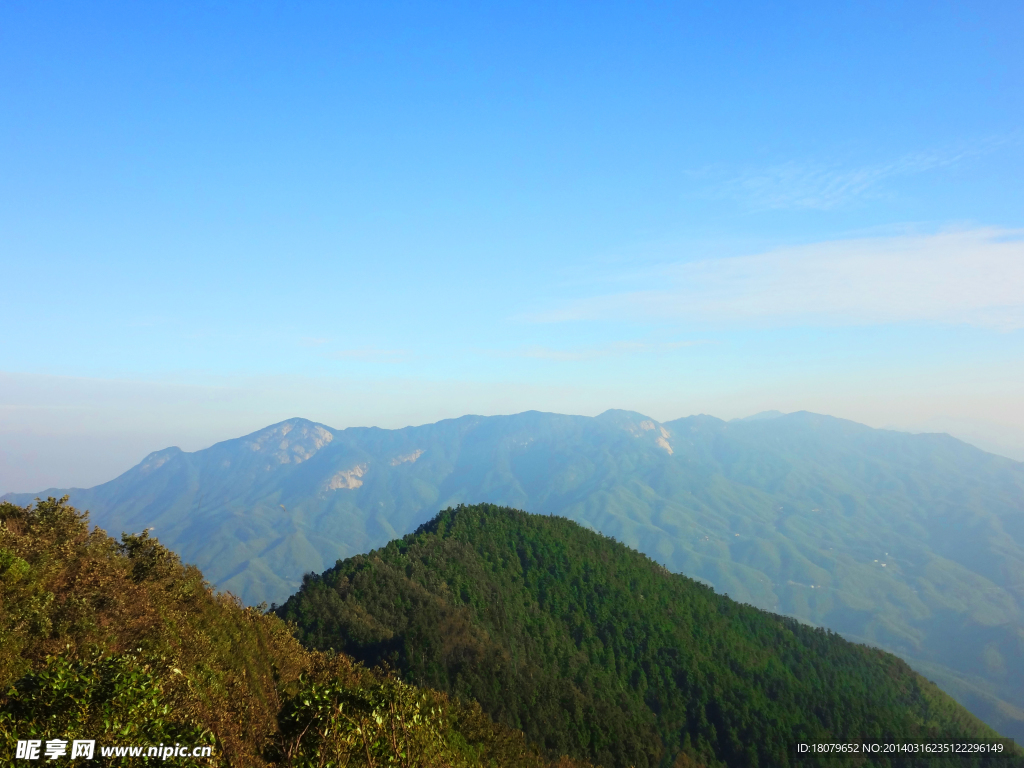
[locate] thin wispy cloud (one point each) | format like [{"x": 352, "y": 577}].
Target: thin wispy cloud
[
  {"x": 972, "y": 277},
  {"x": 825, "y": 186},
  {"x": 614, "y": 349},
  {"x": 369, "y": 354}
]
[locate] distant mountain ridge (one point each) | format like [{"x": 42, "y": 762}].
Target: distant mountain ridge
[{"x": 911, "y": 542}]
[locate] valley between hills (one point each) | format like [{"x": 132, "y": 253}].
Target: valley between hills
[{"x": 911, "y": 543}]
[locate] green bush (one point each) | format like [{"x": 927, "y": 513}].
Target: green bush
[{"x": 116, "y": 700}]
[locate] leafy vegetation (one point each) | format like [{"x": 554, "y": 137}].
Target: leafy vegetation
[
  {"x": 120, "y": 642},
  {"x": 594, "y": 650}
]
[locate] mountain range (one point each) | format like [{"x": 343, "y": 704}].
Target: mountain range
[{"x": 914, "y": 543}]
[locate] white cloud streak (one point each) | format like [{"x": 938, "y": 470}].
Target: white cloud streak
[
  {"x": 368, "y": 354},
  {"x": 973, "y": 277},
  {"x": 614, "y": 349},
  {"x": 823, "y": 187}
]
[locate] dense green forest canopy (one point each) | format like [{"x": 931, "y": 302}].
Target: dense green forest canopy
[
  {"x": 595, "y": 650},
  {"x": 119, "y": 642}
]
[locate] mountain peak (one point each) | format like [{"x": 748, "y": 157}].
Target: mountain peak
[
  {"x": 294, "y": 440},
  {"x": 623, "y": 418},
  {"x": 157, "y": 459}
]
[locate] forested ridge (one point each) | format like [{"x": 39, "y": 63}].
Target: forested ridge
[
  {"x": 596, "y": 651},
  {"x": 119, "y": 642}
]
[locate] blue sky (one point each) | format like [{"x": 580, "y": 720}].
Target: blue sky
[{"x": 214, "y": 216}]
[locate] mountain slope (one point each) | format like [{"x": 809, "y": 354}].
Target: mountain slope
[
  {"x": 119, "y": 643},
  {"x": 595, "y": 650},
  {"x": 912, "y": 542}
]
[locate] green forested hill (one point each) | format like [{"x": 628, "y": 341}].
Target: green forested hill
[
  {"x": 914, "y": 543},
  {"x": 593, "y": 649},
  {"x": 118, "y": 642}
]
